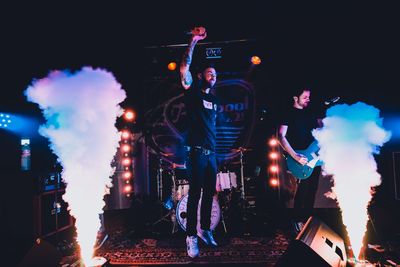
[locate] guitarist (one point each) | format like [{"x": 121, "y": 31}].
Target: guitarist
[{"x": 294, "y": 133}]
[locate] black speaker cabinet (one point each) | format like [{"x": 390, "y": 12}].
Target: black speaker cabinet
[
  {"x": 42, "y": 254},
  {"x": 316, "y": 245},
  {"x": 50, "y": 213}
]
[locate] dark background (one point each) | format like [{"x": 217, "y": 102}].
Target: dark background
[
  {"x": 341, "y": 49},
  {"x": 336, "y": 48}
]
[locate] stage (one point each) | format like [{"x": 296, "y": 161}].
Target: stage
[
  {"x": 94, "y": 118},
  {"x": 259, "y": 241}
]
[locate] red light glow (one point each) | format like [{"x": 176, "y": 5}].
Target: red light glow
[
  {"x": 129, "y": 115},
  {"x": 126, "y": 148},
  {"x": 125, "y": 134},
  {"x": 255, "y": 60},
  {"x": 126, "y": 161},
  {"x": 273, "y": 155},
  {"x": 274, "y": 182},
  {"x": 127, "y": 188},
  {"x": 273, "y": 142},
  {"x": 172, "y": 66},
  {"x": 127, "y": 175},
  {"x": 273, "y": 168}
]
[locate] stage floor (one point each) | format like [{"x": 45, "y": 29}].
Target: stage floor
[
  {"x": 250, "y": 251},
  {"x": 257, "y": 241}
]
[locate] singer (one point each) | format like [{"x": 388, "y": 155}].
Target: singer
[{"x": 201, "y": 108}]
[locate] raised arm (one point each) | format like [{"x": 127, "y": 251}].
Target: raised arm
[{"x": 198, "y": 33}]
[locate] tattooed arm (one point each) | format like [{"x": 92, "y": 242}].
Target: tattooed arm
[{"x": 198, "y": 33}]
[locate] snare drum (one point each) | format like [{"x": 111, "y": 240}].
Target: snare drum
[
  {"x": 181, "y": 213},
  {"x": 225, "y": 181}
]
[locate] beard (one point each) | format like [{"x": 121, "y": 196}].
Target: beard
[{"x": 207, "y": 84}]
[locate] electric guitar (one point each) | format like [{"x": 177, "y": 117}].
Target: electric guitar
[{"x": 304, "y": 171}]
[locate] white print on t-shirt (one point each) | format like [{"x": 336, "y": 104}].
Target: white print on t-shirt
[{"x": 207, "y": 105}]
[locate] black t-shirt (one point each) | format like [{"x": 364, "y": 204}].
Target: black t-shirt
[
  {"x": 300, "y": 123},
  {"x": 201, "y": 109}
]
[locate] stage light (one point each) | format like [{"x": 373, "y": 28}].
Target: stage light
[
  {"x": 273, "y": 155},
  {"x": 127, "y": 188},
  {"x": 127, "y": 175},
  {"x": 273, "y": 168},
  {"x": 273, "y": 182},
  {"x": 129, "y": 115},
  {"x": 255, "y": 60},
  {"x": 125, "y": 134},
  {"x": 126, "y": 161},
  {"x": 19, "y": 124},
  {"x": 5, "y": 120},
  {"x": 126, "y": 148},
  {"x": 273, "y": 142},
  {"x": 172, "y": 66}
]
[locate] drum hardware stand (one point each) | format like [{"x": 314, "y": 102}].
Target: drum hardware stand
[
  {"x": 160, "y": 179},
  {"x": 244, "y": 205},
  {"x": 170, "y": 216},
  {"x": 241, "y": 173},
  {"x": 223, "y": 209},
  {"x": 160, "y": 171}
]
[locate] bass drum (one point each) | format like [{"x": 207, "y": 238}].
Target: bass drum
[{"x": 181, "y": 213}]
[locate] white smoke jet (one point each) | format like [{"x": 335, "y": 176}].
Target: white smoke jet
[
  {"x": 81, "y": 110},
  {"x": 350, "y": 135}
]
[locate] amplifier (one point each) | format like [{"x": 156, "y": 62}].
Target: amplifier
[
  {"x": 396, "y": 174},
  {"x": 50, "y": 213},
  {"x": 50, "y": 181}
]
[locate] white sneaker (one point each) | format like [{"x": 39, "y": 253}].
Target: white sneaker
[
  {"x": 192, "y": 246},
  {"x": 207, "y": 237}
]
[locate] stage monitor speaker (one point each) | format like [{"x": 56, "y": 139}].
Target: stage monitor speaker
[
  {"x": 316, "y": 245},
  {"x": 42, "y": 254}
]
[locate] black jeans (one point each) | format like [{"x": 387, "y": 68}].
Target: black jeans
[
  {"x": 202, "y": 170},
  {"x": 305, "y": 195}
]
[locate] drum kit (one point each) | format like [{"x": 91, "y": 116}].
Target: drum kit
[{"x": 176, "y": 204}]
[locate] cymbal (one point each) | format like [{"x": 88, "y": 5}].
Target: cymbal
[
  {"x": 178, "y": 166},
  {"x": 241, "y": 149},
  {"x": 234, "y": 163},
  {"x": 166, "y": 154}
]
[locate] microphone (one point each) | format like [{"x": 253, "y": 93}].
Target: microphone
[
  {"x": 332, "y": 100},
  {"x": 195, "y": 31}
]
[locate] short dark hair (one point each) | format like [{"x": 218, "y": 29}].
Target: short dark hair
[
  {"x": 298, "y": 91},
  {"x": 202, "y": 66}
]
